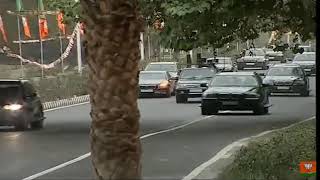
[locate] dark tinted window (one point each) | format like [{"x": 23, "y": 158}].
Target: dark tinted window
[
  {"x": 152, "y": 76},
  {"x": 284, "y": 71},
  {"x": 234, "y": 81},
  {"x": 197, "y": 73},
  {"x": 10, "y": 94}
]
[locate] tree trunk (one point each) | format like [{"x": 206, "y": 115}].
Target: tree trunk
[{"x": 112, "y": 31}]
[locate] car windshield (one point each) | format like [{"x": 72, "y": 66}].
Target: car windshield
[
  {"x": 197, "y": 73},
  {"x": 255, "y": 52},
  {"x": 305, "y": 57},
  {"x": 152, "y": 76},
  {"x": 234, "y": 81},
  {"x": 162, "y": 67},
  {"x": 10, "y": 94},
  {"x": 224, "y": 61},
  {"x": 283, "y": 71}
]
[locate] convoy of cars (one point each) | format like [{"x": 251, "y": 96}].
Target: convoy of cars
[{"x": 21, "y": 107}]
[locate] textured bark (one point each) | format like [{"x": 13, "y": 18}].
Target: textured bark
[{"x": 112, "y": 29}]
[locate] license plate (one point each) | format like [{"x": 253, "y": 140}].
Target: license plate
[
  {"x": 283, "y": 87},
  {"x": 230, "y": 102},
  {"x": 146, "y": 90},
  {"x": 195, "y": 90},
  {"x": 250, "y": 64}
]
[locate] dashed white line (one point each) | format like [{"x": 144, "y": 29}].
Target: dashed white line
[
  {"x": 80, "y": 158},
  {"x": 224, "y": 151}
]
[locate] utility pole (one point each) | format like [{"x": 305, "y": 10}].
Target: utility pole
[{"x": 79, "y": 51}]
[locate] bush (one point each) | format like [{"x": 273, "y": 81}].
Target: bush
[
  {"x": 61, "y": 87},
  {"x": 276, "y": 157}
]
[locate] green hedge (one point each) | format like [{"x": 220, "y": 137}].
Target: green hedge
[
  {"x": 275, "y": 157},
  {"x": 61, "y": 87}
]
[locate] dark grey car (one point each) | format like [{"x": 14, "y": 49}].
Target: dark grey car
[
  {"x": 307, "y": 61},
  {"x": 193, "y": 82},
  {"x": 20, "y": 105},
  {"x": 236, "y": 91},
  {"x": 253, "y": 58},
  {"x": 287, "y": 78}
]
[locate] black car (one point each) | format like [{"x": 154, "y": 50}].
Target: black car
[
  {"x": 287, "y": 78},
  {"x": 19, "y": 105},
  {"x": 253, "y": 58},
  {"x": 236, "y": 91},
  {"x": 307, "y": 61},
  {"x": 193, "y": 82}
]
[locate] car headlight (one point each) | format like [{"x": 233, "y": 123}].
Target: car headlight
[
  {"x": 12, "y": 107},
  {"x": 298, "y": 82}
]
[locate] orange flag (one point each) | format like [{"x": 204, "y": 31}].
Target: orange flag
[
  {"x": 26, "y": 27},
  {"x": 43, "y": 27},
  {"x": 61, "y": 25},
  {"x": 4, "y": 35}
]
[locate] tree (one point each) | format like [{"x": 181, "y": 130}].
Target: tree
[{"x": 112, "y": 30}]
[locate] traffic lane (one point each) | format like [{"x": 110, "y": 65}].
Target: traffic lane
[
  {"x": 66, "y": 136},
  {"x": 173, "y": 155}
]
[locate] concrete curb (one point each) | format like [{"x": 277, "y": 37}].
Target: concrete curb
[
  {"x": 213, "y": 167},
  {"x": 65, "y": 102}
]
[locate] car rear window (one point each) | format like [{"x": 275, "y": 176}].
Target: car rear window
[
  {"x": 162, "y": 67},
  {"x": 152, "y": 76},
  {"x": 234, "y": 81},
  {"x": 10, "y": 94},
  {"x": 197, "y": 73},
  {"x": 305, "y": 57}
]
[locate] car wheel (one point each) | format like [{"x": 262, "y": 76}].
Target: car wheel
[
  {"x": 205, "y": 110},
  {"x": 181, "y": 99},
  {"x": 305, "y": 93},
  {"x": 260, "y": 110},
  {"x": 37, "y": 125}
]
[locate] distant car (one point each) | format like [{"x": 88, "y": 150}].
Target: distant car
[
  {"x": 275, "y": 55},
  {"x": 171, "y": 67},
  {"x": 224, "y": 64},
  {"x": 307, "y": 61},
  {"x": 156, "y": 83},
  {"x": 236, "y": 91},
  {"x": 20, "y": 105},
  {"x": 193, "y": 82},
  {"x": 253, "y": 58},
  {"x": 307, "y": 48},
  {"x": 287, "y": 78}
]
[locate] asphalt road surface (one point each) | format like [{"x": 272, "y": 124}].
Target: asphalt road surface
[{"x": 171, "y": 155}]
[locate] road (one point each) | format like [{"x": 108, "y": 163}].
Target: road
[{"x": 169, "y": 155}]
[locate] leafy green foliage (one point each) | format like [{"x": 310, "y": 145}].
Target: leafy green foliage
[
  {"x": 195, "y": 23},
  {"x": 277, "y": 157}
]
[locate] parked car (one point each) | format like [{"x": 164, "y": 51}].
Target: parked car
[
  {"x": 307, "y": 61},
  {"x": 253, "y": 58},
  {"x": 224, "y": 64},
  {"x": 275, "y": 55},
  {"x": 156, "y": 83},
  {"x": 287, "y": 78},
  {"x": 236, "y": 91},
  {"x": 193, "y": 82},
  {"x": 171, "y": 67},
  {"x": 20, "y": 106}
]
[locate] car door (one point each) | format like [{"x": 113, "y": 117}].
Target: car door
[{"x": 31, "y": 98}]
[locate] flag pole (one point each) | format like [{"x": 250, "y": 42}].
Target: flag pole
[
  {"x": 61, "y": 51},
  {"x": 41, "y": 49},
  {"x": 20, "y": 47}
]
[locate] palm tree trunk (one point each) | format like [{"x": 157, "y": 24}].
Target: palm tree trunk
[{"x": 112, "y": 31}]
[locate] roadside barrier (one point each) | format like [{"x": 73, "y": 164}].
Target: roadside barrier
[{"x": 66, "y": 102}]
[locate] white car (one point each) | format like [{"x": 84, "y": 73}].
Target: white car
[{"x": 224, "y": 64}]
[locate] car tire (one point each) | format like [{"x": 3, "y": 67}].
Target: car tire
[
  {"x": 305, "y": 93},
  {"x": 205, "y": 110},
  {"x": 37, "y": 124},
  {"x": 181, "y": 99},
  {"x": 261, "y": 110}
]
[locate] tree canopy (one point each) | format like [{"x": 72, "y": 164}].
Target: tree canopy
[{"x": 194, "y": 23}]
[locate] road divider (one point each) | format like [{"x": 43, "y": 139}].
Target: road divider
[{"x": 66, "y": 102}]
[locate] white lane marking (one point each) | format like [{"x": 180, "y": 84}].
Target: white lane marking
[
  {"x": 63, "y": 107},
  {"x": 89, "y": 154},
  {"x": 224, "y": 151}
]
